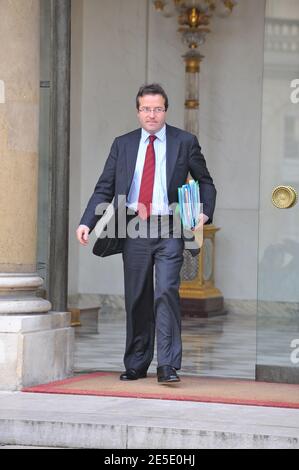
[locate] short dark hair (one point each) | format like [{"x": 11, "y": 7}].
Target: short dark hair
[{"x": 152, "y": 89}]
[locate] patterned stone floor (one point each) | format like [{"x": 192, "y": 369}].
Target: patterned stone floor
[{"x": 222, "y": 346}]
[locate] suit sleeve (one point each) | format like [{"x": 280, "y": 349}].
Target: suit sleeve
[
  {"x": 200, "y": 173},
  {"x": 104, "y": 190}
]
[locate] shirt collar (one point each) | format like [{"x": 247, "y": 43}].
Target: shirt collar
[{"x": 161, "y": 134}]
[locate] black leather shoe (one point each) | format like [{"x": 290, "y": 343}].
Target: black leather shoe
[
  {"x": 132, "y": 374},
  {"x": 167, "y": 374}
]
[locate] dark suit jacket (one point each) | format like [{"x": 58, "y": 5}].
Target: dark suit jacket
[{"x": 183, "y": 155}]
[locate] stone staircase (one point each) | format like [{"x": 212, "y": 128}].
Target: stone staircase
[{"x": 50, "y": 420}]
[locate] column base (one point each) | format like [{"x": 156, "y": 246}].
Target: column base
[
  {"x": 35, "y": 349},
  {"x": 18, "y": 294}
]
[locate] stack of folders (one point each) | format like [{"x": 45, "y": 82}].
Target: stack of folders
[
  {"x": 189, "y": 207},
  {"x": 189, "y": 204}
]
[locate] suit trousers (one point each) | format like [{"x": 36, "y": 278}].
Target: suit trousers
[{"x": 152, "y": 265}]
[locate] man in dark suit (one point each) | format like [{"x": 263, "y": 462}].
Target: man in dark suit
[{"x": 147, "y": 166}]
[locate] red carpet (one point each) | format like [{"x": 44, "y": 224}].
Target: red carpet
[{"x": 198, "y": 389}]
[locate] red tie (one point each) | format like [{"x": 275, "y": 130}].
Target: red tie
[{"x": 147, "y": 181}]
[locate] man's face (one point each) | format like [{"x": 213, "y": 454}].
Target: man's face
[{"x": 151, "y": 113}]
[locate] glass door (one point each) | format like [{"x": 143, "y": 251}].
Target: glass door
[{"x": 278, "y": 270}]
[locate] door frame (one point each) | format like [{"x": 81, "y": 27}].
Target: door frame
[{"x": 55, "y": 76}]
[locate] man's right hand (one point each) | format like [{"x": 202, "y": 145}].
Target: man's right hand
[{"x": 82, "y": 234}]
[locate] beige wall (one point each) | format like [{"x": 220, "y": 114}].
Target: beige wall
[
  {"x": 282, "y": 9},
  {"x": 127, "y": 43},
  {"x": 230, "y": 132}
]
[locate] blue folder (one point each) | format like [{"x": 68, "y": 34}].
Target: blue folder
[{"x": 189, "y": 204}]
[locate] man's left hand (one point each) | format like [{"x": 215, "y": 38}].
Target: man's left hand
[{"x": 203, "y": 218}]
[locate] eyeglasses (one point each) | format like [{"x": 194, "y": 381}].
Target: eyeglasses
[{"x": 147, "y": 110}]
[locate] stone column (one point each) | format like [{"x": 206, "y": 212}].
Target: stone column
[{"x": 35, "y": 345}]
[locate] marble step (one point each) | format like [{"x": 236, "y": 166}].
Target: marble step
[{"x": 71, "y": 421}]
